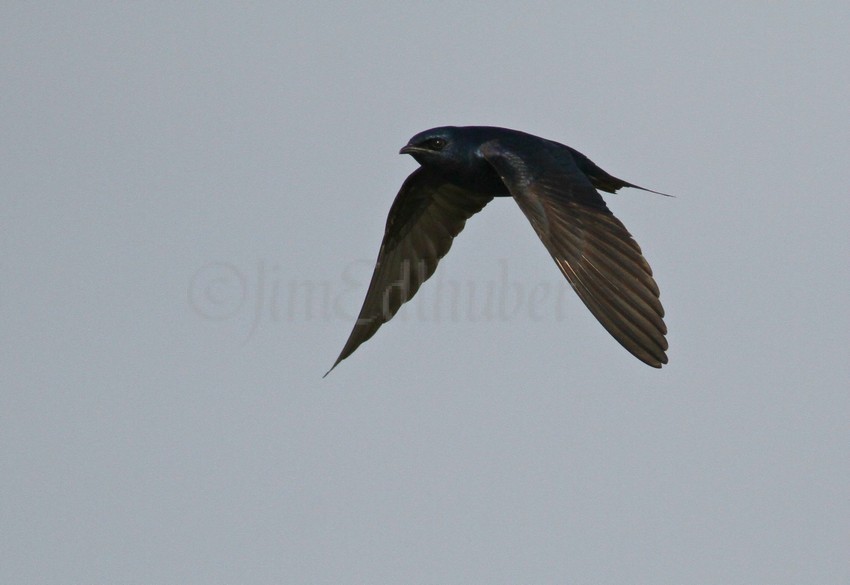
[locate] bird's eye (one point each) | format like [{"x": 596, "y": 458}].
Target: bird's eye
[{"x": 436, "y": 143}]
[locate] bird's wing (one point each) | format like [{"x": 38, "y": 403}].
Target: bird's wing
[
  {"x": 592, "y": 248},
  {"x": 427, "y": 214}
]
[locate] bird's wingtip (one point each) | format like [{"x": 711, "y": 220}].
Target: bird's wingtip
[{"x": 336, "y": 363}]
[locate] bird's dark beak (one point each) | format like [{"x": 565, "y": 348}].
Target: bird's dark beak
[{"x": 409, "y": 149}]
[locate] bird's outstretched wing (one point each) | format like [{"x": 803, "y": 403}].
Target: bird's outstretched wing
[
  {"x": 427, "y": 214},
  {"x": 592, "y": 248}
]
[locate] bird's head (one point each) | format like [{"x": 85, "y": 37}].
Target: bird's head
[
  {"x": 455, "y": 153},
  {"x": 438, "y": 147}
]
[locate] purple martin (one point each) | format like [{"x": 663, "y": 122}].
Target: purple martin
[{"x": 461, "y": 170}]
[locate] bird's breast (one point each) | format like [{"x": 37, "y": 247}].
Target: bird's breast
[{"x": 482, "y": 179}]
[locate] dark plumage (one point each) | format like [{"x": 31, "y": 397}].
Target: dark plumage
[{"x": 462, "y": 169}]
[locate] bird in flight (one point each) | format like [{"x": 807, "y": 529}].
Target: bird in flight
[{"x": 461, "y": 170}]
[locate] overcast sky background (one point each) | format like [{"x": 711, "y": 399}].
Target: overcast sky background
[{"x": 193, "y": 197}]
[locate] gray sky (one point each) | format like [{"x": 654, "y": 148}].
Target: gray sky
[{"x": 193, "y": 197}]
